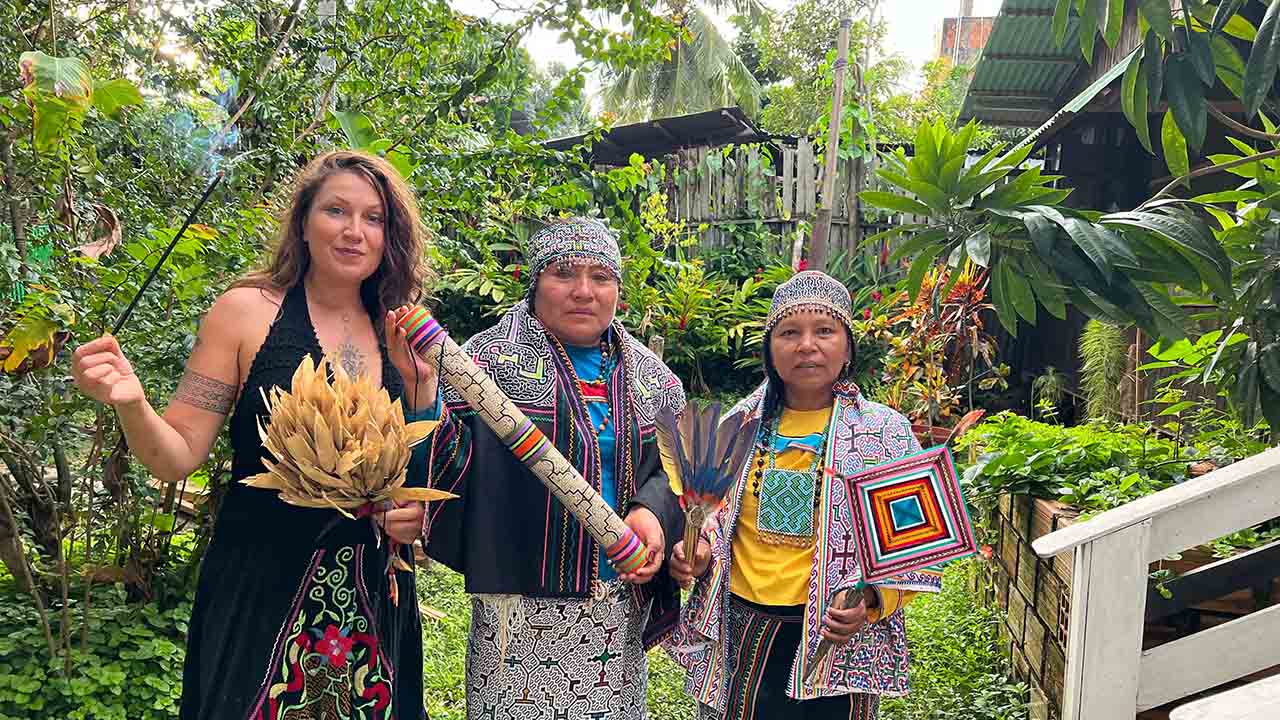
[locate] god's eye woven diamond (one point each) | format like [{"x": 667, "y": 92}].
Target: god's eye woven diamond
[{"x": 909, "y": 514}]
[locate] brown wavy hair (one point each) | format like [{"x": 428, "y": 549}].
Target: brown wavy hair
[{"x": 401, "y": 276}]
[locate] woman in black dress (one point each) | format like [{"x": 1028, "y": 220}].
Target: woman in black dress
[{"x": 293, "y": 617}]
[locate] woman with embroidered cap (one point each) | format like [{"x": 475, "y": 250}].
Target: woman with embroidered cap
[
  {"x": 768, "y": 567},
  {"x": 555, "y": 633}
]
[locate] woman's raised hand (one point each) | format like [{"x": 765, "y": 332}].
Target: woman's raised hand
[
  {"x": 102, "y": 372},
  {"x": 419, "y": 376}
]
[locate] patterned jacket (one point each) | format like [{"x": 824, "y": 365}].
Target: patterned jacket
[
  {"x": 862, "y": 434},
  {"x": 506, "y": 532}
]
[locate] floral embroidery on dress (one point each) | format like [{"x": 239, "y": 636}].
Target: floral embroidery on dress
[{"x": 328, "y": 664}]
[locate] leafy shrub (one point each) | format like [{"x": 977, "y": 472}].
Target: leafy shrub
[
  {"x": 1095, "y": 467},
  {"x": 132, "y": 669},
  {"x": 957, "y": 672}
]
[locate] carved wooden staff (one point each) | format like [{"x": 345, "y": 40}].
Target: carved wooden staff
[{"x": 621, "y": 545}]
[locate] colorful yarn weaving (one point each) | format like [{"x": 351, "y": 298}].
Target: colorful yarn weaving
[
  {"x": 628, "y": 554},
  {"x": 622, "y": 546}
]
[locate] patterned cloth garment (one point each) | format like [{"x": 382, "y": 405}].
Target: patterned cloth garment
[
  {"x": 861, "y": 434},
  {"x": 810, "y": 290},
  {"x": 549, "y": 639},
  {"x": 762, "y": 638},
  {"x": 565, "y": 660},
  {"x": 575, "y": 240}
]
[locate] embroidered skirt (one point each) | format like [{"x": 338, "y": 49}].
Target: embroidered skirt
[
  {"x": 565, "y": 659},
  {"x": 762, "y": 642},
  {"x": 289, "y": 630}
]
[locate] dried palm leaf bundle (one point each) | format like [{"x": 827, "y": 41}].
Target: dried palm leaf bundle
[{"x": 341, "y": 444}]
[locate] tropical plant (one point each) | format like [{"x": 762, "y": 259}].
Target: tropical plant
[
  {"x": 939, "y": 351},
  {"x": 1039, "y": 253},
  {"x": 1047, "y": 391},
  {"x": 1103, "y": 354},
  {"x": 700, "y": 70},
  {"x": 1184, "y": 56}
]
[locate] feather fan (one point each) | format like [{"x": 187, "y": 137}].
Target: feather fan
[{"x": 704, "y": 455}]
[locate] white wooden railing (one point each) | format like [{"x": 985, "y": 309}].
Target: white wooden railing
[{"x": 1109, "y": 675}]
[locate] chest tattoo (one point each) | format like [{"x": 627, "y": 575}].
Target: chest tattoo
[{"x": 352, "y": 358}]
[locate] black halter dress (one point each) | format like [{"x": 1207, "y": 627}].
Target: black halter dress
[{"x": 293, "y": 617}]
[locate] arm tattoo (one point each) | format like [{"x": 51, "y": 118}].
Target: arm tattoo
[{"x": 205, "y": 393}]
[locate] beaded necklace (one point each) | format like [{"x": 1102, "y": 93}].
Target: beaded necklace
[{"x": 787, "y": 500}]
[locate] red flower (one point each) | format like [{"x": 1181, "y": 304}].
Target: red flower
[
  {"x": 802, "y": 266},
  {"x": 335, "y": 646},
  {"x": 623, "y": 306},
  {"x": 515, "y": 274},
  {"x": 866, "y": 313},
  {"x": 683, "y": 322},
  {"x": 985, "y": 551},
  {"x": 875, "y": 295}
]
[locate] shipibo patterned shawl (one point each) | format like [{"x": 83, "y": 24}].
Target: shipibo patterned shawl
[{"x": 862, "y": 433}]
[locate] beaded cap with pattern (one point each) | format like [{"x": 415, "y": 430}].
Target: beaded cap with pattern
[
  {"x": 811, "y": 290},
  {"x": 578, "y": 239}
]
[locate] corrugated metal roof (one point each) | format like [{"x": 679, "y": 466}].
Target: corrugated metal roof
[
  {"x": 663, "y": 136},
  {"x": 1079, "y": 102},
  {"x": 1022, "y": 70}
]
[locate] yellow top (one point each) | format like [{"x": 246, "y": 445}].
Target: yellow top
[
  {"x": 779, "y": 574},
  {"x": 774, "y": 574}
]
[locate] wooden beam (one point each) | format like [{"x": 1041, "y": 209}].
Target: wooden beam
[
  {"x": 657, "y": 125},
  {"x": 1006, "y": 95},
  {"x": 1108, "y": 591},
  {"x": 1209, "y": 658},
  {"x": 1207, "y": 582}
]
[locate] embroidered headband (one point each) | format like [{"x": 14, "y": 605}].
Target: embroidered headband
[
  {"x": 811, "y": 290},
  {"x": 576, "y": 240}
]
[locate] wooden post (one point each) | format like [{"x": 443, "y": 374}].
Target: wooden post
[
  {"x": 822, "y": 224},
  {"x": 657, "y": 344},
  {"x": 1108, "y": 600}
]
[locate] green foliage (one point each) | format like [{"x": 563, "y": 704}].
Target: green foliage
[
  {"x": 132, "y": 669},
  {"x": 1103, "y": 351},
  {"x": 1047, "y": 391},
  {"x": 957, "y": 669},
  {"x": 1099, "y": 465},
  {"x": 699, "y": 71}
]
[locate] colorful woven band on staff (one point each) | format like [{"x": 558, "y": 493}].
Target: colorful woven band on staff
[
  {"x": 628, "y": 554},
  {"x": 421, "y": 328},
  {"x": 528, "y": 443}
]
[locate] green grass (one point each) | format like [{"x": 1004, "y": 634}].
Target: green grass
[{"x": 956, "y": 670}]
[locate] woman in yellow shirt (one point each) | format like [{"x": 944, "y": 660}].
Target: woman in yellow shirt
[{"x": 770, "y": 564}]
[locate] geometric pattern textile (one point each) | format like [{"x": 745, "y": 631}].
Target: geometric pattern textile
[
  {"x": 909, "y": 514},
  {"x": 810, "y": 290},
  {"x": 786, "y": 504},
  {"x": 566, "y": 659}
]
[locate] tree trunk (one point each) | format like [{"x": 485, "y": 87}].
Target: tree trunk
[
  {"x": 11, "y": 555},
  {"x": 15, "y": 212},
  {"x": 37, "y": 500},
  {"x": 822, "y": 224}
]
